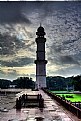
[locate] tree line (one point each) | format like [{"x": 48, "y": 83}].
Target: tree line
[
  {"x": 53, "y": 82},
  {"x": 61, "y": 83},
  {"x": 21, "y": 82}
]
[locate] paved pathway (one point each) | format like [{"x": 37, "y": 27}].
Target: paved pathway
[{"x": 51, "y": 112}]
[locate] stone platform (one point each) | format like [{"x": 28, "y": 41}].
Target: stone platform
[{"x": 52, "y": 111}]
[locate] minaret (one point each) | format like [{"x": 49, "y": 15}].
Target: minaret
[{"x": 40, "y": 59}]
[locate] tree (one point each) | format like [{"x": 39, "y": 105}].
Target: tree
[
  {"x": 77, "y": 82},
  {"x": 4, "y": 84},
  {"x": 24, "y": 82}
]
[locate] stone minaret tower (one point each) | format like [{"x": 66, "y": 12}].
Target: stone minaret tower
[{"x": 40, "y": 59}]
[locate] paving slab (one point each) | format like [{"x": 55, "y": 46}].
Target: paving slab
[{"x": 51, "y": 111}]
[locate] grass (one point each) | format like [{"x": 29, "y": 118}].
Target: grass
[{"x": 76, "y": 97}]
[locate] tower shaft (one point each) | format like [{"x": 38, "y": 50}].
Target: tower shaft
[{"x": 40, "y": 59}]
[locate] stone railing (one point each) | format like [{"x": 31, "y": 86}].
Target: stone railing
[{"x": 67, "y": 104}]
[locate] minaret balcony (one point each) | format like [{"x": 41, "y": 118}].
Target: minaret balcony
[
  {"x": 40, "y": 40},
  {"x": 40, "y": 61}
]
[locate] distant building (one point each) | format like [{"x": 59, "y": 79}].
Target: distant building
[
  {"x": 40, "y": 59},
  {"x": 70, "y": 88},
  {"x": 12, "y": 86}
]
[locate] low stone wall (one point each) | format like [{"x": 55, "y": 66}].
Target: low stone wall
[
  {"x": 10, "y": 91},
  {"x": 68, "y": 105},
  {"x": 29, "y": 101}
]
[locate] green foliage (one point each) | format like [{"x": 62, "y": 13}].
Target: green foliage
[
  {"x": 4, "y": 83},
  {"x": 21, "y": 82},
  {"x": 63, "y": 97},
  {"x": 58, "y": 83},
  {"x": 77, "y": 82},
  {"x": 24, "y": 82}
]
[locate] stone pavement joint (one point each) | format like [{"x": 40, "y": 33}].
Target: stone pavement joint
[{"x": 52, "y": 111}]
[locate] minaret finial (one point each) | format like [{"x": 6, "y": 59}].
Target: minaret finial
[{"x": 40, "y": 24}]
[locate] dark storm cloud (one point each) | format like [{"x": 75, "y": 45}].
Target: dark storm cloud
[
  {"x": 18, "y": 62},
  {"x": 65, "y": 35},
  {"x": 58, "y": 55},
  {"x": 56, "y": 48},
  {"x": 62, "y": 23},
  {"x": 9, "y": 44},
  {"x": 57, "y": 58},
  {"x": 69, "y": 41},
  {"x": 11, "y": 13},
  {"x": 68, "y": 60},
  {"x": 17, "y": 12}
]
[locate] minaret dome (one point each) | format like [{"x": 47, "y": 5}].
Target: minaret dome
[{"x": 40, "y": 32}]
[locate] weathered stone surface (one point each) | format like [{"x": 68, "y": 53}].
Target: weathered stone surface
[{"x": 51, "y": 112}]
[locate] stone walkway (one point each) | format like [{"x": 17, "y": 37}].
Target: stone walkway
[{"x": 51, "y": 112}]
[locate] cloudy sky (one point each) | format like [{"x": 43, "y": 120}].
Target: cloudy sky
[{"x": 18, "y": 25}]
